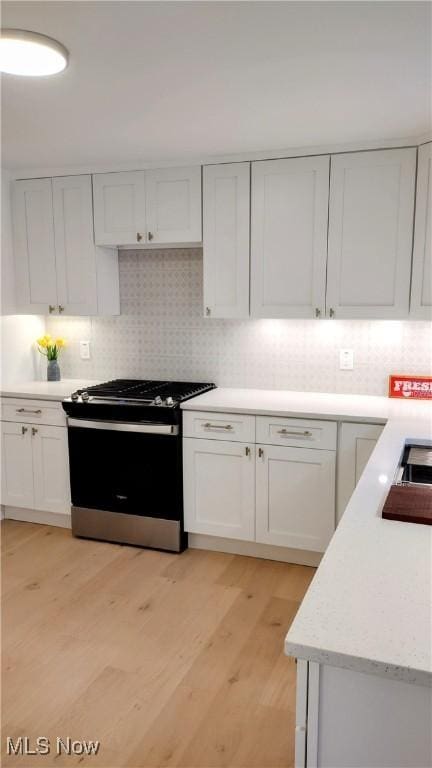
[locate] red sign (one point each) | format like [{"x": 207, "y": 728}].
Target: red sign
[{"x": 411, "y": 387}]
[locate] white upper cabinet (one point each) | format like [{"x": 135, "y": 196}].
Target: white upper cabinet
[
  {"x": 421, "y": 285},
  {"x": 289, "y": 237},
  {"x": 58, "y": 268},
  {"x": 87, "y": 277},
  {"x": 139, "y": 208},
  {"x": 173, "y": 199},
  {"x": 34, "y": 251},
  {"x": 370, "y": 233},
  {"x": 226, "y": 239},
  {"x": 119, "y": 208}
]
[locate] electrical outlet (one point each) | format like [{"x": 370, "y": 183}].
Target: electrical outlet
[
  {"x": 346, "y": 359},
  {"x": 85, "y": 350}
]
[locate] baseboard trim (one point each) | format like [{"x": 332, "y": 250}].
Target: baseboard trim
[
  {"x": 58, "y": 519},
  {"x": 252, "y": 549}
]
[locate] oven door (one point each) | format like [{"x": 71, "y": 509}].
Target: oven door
[{"x": 132, "y": 469}]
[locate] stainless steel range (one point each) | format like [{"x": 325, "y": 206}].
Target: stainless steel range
[{"x": 125, "y": 455}]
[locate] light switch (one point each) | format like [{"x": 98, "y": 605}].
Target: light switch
[
  {"x": 85, "y": 350},
  {"x": 346, "y": 359}
]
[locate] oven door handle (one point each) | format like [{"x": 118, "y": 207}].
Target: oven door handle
[{"x": 124, "y": 426}]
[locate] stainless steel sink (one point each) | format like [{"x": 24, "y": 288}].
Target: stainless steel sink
[{"x": 416, "y": 466}]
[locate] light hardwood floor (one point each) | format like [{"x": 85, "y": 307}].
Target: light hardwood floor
[{"x": 167, "y": 660}]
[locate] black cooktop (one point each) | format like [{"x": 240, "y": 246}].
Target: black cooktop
[
  {"x": 133, "y": 400},
  {"x": 145, "y": 390}
]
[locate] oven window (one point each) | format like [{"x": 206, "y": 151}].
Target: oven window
[{"x": 126, "y": 472}]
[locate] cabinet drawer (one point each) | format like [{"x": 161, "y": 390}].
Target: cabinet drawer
[
  {"x": 219, "y": 426},
  {"x": 298, "y": 433},
  {"x": 33, "y": 411}
]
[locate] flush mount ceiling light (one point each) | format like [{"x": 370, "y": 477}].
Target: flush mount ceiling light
[{"x": 31, "y": 54}]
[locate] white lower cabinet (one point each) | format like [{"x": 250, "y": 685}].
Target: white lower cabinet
[
  {"x": 346, "y": 719},
  {"x": 282, "y": 495},
  {"x": 219, "y": 488},
  {"x": 51, "y": 469},
  {"x": 356, "y": 443},
  {"x": 295, "y": 497},
  {"x": 35, "y": 467},
  {"x": 17, "y": 465}
]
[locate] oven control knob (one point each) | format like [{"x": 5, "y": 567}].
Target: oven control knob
[
  {"x": 158, "y": 400},
  {"x": 169, "y": 401},
  {"x": 74, "y": 396},
  {"x": 85, "y": 397}
]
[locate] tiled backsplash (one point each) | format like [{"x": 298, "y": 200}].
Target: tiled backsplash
[{"x": 161, "y": 333}]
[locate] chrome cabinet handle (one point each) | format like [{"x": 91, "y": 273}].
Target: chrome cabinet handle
[
  {"x": 208, "y": 311},
  {"x": 208, "y": 425},
  {"x": 260, "y": 452},
  {"x": 61, "y": 309},
  {"x": 317, "y": 312},
  {"x": 51, "y": 308},
  {"x": 24, "y": 430},
  {"x": 291, "y": 433},
  {"x": 28, "y": 410},
  {"x": 247, "y": 451},
  {"x": 34, "y": 431},
  {"x": 139, "y": 237},
  {"x": 331, "y": 312},
  {"x": 150, "y": 236}
]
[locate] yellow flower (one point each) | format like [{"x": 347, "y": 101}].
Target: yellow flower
[
  {"x": 60, "y": 343},
  {"x": 42, "y": 342}
]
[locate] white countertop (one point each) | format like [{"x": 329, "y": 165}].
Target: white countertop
[
  {"x": 268, "y": 402},
  {"x": 369, "y": 607},
  {"x": 46, "y": 390}
]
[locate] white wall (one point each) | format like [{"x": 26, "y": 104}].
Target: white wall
[
  {"x": 19, "y": 361},
  {"x": 162, "y": 333}
]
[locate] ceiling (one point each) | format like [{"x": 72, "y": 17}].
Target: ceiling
[{"x": 162, "y": 80}]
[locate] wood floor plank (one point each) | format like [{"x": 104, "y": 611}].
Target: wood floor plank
[{"x": 168, "y": 660}]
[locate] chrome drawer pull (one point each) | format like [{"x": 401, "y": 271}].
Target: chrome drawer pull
[
  {"x": 207, "y": 425},
  {"x": 28, "y": 410},
  {"x": 291, "y": 433}
]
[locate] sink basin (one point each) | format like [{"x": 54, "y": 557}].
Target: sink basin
[{"x": 410, "y": 497}]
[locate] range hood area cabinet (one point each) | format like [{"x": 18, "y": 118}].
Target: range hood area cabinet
[
  {"x": 330, "y": 236},
  {"x": 59, "y": 270},
  {"x": 148, "y": 208}
]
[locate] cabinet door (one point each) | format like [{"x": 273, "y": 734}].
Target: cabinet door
[
  {"x": 421, "y": 285},
  {"x": 17, "y": 465},
  {"x": 226, "y": 239},
  {"x": 295, "y": 497},
  {"x": 289, "y": 237},
  {"x": 219, "y": 488},
  {"x": 356, "y": 443},
  {"x": 370, "y": 233},
  {"x": 119, "y": 208},
  {"x": 173, "y": 199},
  {"x": 51, "y": 469},
  {"x": 75, "y": 249},
  {"x": 33, "y": 232}
]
